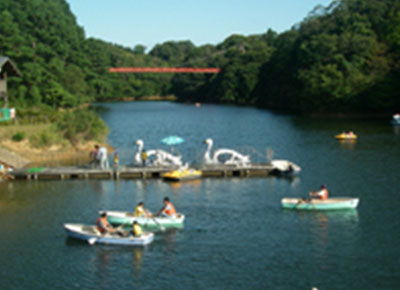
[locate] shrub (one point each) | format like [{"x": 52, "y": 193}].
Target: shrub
[{"x": 19, "y": 136}]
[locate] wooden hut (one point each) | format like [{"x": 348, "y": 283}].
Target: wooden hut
[{"x": 7, "y": 69}]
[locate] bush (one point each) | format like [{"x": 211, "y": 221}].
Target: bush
[
  {"x": 19, "y": 136},
  {"x": 45, "y": 138},
  {"x": 81, "y": 125}
]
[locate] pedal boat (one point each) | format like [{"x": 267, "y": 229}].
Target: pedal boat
[
  {"x": 127, "y": 218},
  {"x": 92, "y": 235},
  {"x": 346, "y": 136},
  {"x": 339, "y": 203},
  {"x": 182, "y": 174}
]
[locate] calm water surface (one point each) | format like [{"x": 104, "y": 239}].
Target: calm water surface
[{"x": 236, "y": 236}]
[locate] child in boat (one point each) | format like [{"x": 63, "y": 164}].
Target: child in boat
[
  {"x": 140, "y": 211},
  {"x": 136, "y": 229},
  {"x": 321, "y": 194}
]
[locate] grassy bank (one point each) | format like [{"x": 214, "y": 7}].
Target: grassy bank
[{"x": 54, "y": 137}]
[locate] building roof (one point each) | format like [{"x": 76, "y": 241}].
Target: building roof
[{"x": 7, "y": 65}]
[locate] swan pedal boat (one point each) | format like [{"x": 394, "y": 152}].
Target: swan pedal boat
[
  {"x": 338, "y": 203},
  {"x": 182, "y": 174},
  {"x": 92, "y": 235},
  {"x": 346, "y": 136},
  {"x": 122, "y": 217}
]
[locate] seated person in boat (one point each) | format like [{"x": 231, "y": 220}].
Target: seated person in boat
[
  {"x": 103, "y": 225},
  {"x": 140, "y": 211},
  {"x": 320, "y": 194},
  {"x": 168, "y": 209},
  {"x": 136, "y": 229}
]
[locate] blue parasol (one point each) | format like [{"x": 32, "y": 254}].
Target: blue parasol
[{"x": 172, "y": 140}]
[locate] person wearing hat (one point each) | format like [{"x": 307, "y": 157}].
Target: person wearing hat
[{"x": 321, "y": 194}]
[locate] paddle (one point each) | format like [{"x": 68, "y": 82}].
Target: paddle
[{"x": 157, "y": 223}]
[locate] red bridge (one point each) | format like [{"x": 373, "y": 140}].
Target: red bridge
[{"x": 206, "y": 70}]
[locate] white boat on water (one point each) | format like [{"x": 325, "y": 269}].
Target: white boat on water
[
  {"x": 396, "y": 119},
  {"x": 92, "y": 235},
  {"x": 338, "y": 203},
  {"x": 123, "y": 217}
]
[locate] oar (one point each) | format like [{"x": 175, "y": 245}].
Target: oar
[{"x": 157, "y": 223}]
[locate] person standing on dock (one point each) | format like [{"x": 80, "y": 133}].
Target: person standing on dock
[
  {"x": 116, "y": 160},
  {"x": 144, "y": 157},
  {"x": 102, "y": 156},
  {"x": 168, "y": 209}
]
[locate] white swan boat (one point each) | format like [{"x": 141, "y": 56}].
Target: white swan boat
[
  {"x": 162, "y": 158},
  {"x": 123, "y": 217},
  {"x": 92, "y": 235},
  {"x": 234, "y": 157}
]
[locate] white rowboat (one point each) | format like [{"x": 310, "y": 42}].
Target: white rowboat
[{"x": 92, "y": 235}]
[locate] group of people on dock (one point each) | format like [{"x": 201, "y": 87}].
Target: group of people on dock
[{"x": 104, "y": 226}]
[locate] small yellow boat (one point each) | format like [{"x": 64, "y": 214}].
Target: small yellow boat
[
  {"x": 182, "y": 174},
  {"x": 346, "y": 136}
]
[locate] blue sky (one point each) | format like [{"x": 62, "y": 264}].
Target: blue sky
[{"x": 148, "y": 22}]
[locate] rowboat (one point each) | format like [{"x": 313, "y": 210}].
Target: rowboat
[
  {"x": 396, "y": 119},
  {"x": 122, "y": 217},
  {"x": 346, "y": 136},
  {"x": 92, "y": 235},
  {"x": 284, "y": 167},
  {"x": 318, "y": 204},
  {"x": 182, "y": 174}
]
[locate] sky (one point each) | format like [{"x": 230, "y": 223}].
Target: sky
[{"x": 151, "y": 22}]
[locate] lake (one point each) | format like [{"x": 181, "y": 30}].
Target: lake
[{"x": 236, "y": 235}]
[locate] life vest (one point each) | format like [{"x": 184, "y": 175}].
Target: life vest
[
  {"x": 169, "y": 209},
  {"x": 100, "y": 225},
  {"x": 144, "y": 155},
  {"x": 137, "y": 230},
  {"x": 323, "y": 194},
  {"x": 139, "y": 211}
]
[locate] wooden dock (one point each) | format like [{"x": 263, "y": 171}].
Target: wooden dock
[{"x": 60, "y": 173}]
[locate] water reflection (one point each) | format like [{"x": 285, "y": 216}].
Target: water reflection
[
  {"x": 189, "y": 183},
  {"x": 347, "y": 144},
  {"x": 396, "y": 129}
]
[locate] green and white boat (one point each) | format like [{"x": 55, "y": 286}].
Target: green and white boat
[
  {"x": 127, "y": 218},
  {"x": 338, "y": 203}
]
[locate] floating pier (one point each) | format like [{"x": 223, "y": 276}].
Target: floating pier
[{"x": 60, "y": 173}]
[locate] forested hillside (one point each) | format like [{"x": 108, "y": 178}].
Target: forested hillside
[{"x": 344, "y": 57}]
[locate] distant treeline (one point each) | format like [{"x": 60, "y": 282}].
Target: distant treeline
[{"x": 341, "y": 58}]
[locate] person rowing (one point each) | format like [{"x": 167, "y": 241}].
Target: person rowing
[
  {"x": 321, "y": 194},
  {"x": 104, "y": 226},
  {"x": 168, "y": 209},
  {"x": 140, "y": 211}
]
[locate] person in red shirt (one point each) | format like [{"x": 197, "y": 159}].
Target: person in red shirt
[{"x": 168, "y": 209}]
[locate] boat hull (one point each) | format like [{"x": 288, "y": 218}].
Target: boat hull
[
  {"x": 317, "y": 204},
  {"x": 88, "y": 232},
  {"x": 345, "y": 136},
  {"x": 181, "y": 175},
  {"x": 121, "y": 217}
]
